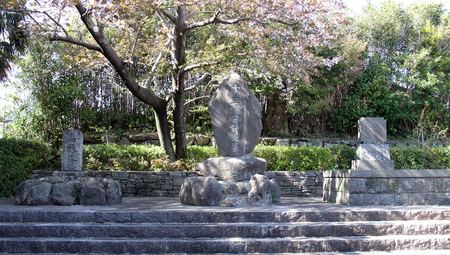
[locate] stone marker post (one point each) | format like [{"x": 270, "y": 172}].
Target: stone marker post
[
  {"x": 373, "y": 152},
  {"x": 72, "y": 150}
]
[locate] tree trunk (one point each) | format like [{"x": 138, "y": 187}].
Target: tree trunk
[
  {"x": 162, "y": 125},
  {"x": 178, "y": 117},
  {"x": 275, "y": 122},
  {"x": 178, "y": 60}
]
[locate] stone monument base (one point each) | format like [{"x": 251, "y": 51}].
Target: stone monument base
[
  {"x": 207, "y": 191},
  {"x": 387, "y": 187},
  {"x": 70, "y": 189},
  {"x": 231, "y": 169},
  {"x": 365, "y": 164},
  {"x": 230, "y": 181}
]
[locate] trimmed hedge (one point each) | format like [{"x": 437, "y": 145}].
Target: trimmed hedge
[
  {"x": 416, "y": 157},
  {"x": 152, "y": 158},
  {"x": 17, "y": 158}
]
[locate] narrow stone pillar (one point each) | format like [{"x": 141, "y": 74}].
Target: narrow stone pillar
[
  {"x": 372, "y": 152},
  {"x": 72, "y": 150}
]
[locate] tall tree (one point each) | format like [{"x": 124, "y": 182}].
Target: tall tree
[
  {"x": 406, "y": 75},
  {"x": 13, "y": 36},
  {"x": 160, "y": 36}
]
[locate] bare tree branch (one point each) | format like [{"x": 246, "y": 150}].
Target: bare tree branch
[
  {"x": 202, "y": 79},
  {"x": 214, "y": 19},
  {"x": 76, "y": 42},
  {"x": 168, "y": 15},
  {"x": 195, "y": 99},
  {"x": 133, "y": 50},
  {"x": 194, "y": 66}
]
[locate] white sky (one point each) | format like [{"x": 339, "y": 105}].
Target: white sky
[{"x": 357, "y": 5}]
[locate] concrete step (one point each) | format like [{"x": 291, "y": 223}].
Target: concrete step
[
  {"x": 218, "y": 230},
  {"x": 225, "y": 245},
  {"x": 46, "y": 215}
]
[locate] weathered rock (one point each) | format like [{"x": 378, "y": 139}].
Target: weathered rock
[
  {"x": 317, "y": 142},
  {"x": 109, "y": 138},
  {"x": 260, "y": 194},
  {"x": 65, "y": 193},
  {"x": 202, "y": 140},
  {"x": 212, "y": 142},
  {"x": 268, "y": 140},
  {"x": 236, "y": 117},
  {"x": 282, "y": 142},
  {"x": 113, "y": 192},
  {"x": 190, "y": 140},
  {"x": 72, "y": 150},
  {"x": 275, "y": 191},
  {"x": 22, "y": 192},
  {"x": 235, "y": 188},
  {"x": 143, "y": 137},
  {"x": 235, "y": 201},
  {"x": 40, "y": 194},
  {"x": 69, "y": 190},
  {"x": 124, "y": 141},
  {"x": 93, "y": 193},
  {"x": 202, "y": 191},
  {"x": 232, "y": 169}
]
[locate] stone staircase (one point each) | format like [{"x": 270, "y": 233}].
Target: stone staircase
[{"x": 239, "y": 230}]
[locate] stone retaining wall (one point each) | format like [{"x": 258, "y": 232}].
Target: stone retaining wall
[
  {"x": 202, "y": 140},
  {"x": 387, "y": 187},
  {"x": 168, "y": 184}
]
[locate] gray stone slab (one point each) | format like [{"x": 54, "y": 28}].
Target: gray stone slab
[
  {"x": 236, "y": 117},
  {"x": 373, "y": 152},
  {"x": 372, "y": 130},
  {"x": 373, "y": 164},
  {"x": 72, "y": 150},
  {"x": 233, "y": 169}
]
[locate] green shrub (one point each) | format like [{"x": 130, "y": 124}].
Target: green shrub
[
  {"x": 123, "y": 157},
  {"x": 17, "y": 158},
  {"x": 288, "y": 158},
  {"x": 196, "y": 154},
  {"x": 343, "y": 156},
  {"x": 416, "y": 157}
]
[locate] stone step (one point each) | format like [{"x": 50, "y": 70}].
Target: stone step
[
  {"x": 244, "y": 230},
  {"x": 225, "y": 245},
  {"x": 46, "y": 215},
  {"x": 403, "y": 252}
]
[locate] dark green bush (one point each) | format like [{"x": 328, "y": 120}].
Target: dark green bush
[
  {"x": 17, "y": 158},
  {"x": 417, "y": 157},
  {"x": 343, "y": 156},
  {"x": 124, "y": 157},
  {"x": 288, "y": 158}
]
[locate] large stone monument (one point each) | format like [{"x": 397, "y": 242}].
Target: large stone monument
[
  {"x": 372, "y": 152},
  {"x": 236, "y": 118}
]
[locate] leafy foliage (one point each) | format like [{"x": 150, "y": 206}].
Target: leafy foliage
[
  {"x": 421, "y": 157},
  {"x": 17, "y": 158},
  {"x": 342, "y": 156},
  {"x": 281, "y": 158},
  {"x": 14, "y": 37},
  {"x": 123, "y": 157}
]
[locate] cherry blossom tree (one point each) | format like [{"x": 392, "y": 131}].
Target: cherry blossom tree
[{"x": 174, "y": 38}]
